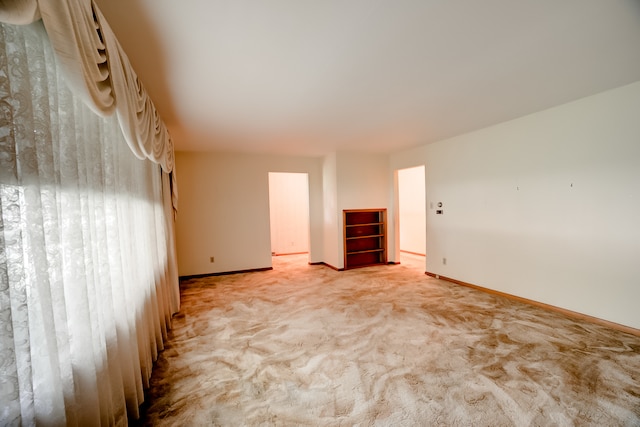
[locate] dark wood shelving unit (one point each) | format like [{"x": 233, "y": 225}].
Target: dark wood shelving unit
[{"x": 365, "y": 237}]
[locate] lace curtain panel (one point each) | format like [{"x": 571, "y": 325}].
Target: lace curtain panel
[{"x": 88, "y": 279}]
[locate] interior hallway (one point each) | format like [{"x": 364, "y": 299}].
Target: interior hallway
[{"x": 385, "y": 345}]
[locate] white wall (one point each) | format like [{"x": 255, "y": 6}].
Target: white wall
[
  {"x": 331, "y": 226},
  {"x": 289, "y": 212},
  {"x": 362, "y": 183},
  {"x": 224, "y": 205},
  {"x": 546, "y": 207},
  {"x": 224, "y": 209},
  {"x": 412, "y": 210},
  {"x": 351, "y": 181}
]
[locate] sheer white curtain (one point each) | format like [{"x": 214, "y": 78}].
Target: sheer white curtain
[{"x": 88, "y": 280}]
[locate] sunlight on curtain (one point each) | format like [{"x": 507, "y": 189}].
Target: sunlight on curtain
[{"x": 88, "y": 281}]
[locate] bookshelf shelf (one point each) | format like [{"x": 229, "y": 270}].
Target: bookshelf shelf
[{"x": 365, "y": 237}]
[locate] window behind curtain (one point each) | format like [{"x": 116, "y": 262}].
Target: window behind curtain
[{"x": 86, "y": 287}]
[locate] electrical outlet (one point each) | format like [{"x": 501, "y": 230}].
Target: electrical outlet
[
  {"x": 444, "y": 261},
  {"x": 211, "y": 259}
]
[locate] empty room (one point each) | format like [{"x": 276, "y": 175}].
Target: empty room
[{"x": 356, "y": 213}]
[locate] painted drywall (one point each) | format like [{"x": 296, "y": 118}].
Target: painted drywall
[
  {"x": 412, "y": 210},
  {"x": 362, "y": 183},
  {"x": 224, "y": 210},
  {"x": 546, "y": 207},
  {"x": 289, "y": 212},
  {"x": 363, "y": 180},
  {"x": 331, "y": 226}
]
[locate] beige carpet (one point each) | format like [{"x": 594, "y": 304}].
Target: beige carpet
[{"x": 308, "y": 346}]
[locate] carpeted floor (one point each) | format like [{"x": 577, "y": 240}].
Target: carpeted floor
[{"x": 308, "y": 346}]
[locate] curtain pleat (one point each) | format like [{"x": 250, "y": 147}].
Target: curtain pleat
[{"x": 88, "y": 280}]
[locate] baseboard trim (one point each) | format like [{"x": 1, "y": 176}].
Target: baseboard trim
[
  {"x": 412, "y": 253},
  {"x": 342, "y": 269},
  {"x": 327, "y": 265},
  {"x": 549, "y": 307},
  {"x": 289, "y": 253},
  {"x": 225, "y": 273}
]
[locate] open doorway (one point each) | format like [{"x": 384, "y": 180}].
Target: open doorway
[
  {"x": 412, "y": 216},
  {"x": 289, "y": 213}
]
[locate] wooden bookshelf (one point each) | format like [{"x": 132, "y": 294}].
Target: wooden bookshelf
[{"x": 365, "y": 237}]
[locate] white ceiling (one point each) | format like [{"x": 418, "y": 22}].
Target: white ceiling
[{"x": 309, "y": 77}]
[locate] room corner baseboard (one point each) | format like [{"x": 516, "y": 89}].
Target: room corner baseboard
[
  {"x": 225, "y": 273},
  {"x": 549, "y": 307},
  {"x": 326, "y": 265}
]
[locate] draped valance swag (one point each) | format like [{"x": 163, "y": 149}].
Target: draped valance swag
[{"x": 97, "y": 69}]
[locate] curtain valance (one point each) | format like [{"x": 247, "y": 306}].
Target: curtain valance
[{"x": 97, "y": 69}]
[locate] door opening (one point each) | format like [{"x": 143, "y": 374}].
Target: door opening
[
  {"x": 289, "y": 213},
  {"x": 412, "y": 217}
]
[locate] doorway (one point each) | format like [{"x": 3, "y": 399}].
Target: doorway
[
  {"x": 412, "y": 216},
  {"x": 289, "y": 213}
]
